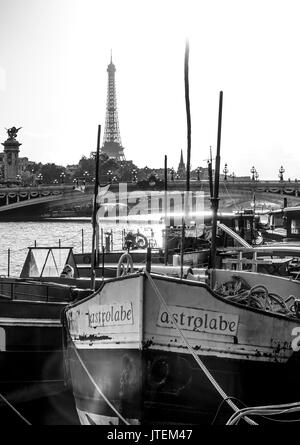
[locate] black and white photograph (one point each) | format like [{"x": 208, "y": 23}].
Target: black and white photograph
[{"x": 149, "y": 215}]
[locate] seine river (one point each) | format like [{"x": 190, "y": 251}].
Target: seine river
[{"x": 18, "y": 236}]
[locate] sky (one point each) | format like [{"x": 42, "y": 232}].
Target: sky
[{"x": 53, "y": 79}]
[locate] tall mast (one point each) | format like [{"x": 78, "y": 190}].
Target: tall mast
[
  {"x": 188, "y": 115},
  {"x": 94, "y": 220},
  {"x": 215, "y": 199},
  {"x": 188, "y": 161}
]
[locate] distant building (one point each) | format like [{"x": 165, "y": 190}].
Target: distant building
[
  {"x": 181, "y": 170},
  {"x": 71, "y": 169},
  {"x": 23, "y": 164}
]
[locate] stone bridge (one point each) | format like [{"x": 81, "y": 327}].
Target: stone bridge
[{"x": 34, "y": 202}]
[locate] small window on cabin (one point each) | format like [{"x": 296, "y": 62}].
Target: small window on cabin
[{"x": 295, "y": 226}]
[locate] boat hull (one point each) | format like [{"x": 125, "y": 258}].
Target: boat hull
[
  {"x": 31, "y": 352},
  {"x": 141, "y": 371}
]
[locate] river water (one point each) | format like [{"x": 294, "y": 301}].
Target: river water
[{"x": 69, "y": 232}]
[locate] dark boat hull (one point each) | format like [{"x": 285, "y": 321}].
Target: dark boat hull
[
  {"x": 169, "y": 388},
  {"x": 31, "y": 353},
  {"x": 140, "y": 371}
]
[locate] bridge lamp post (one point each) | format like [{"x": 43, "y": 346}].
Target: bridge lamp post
[
  {"x": 281, "y": 171},
  {"x": 198, "y": 173},
  {"x": 18, "y": 178},
  {"x": 233, "y": 176},
  {"x": 85, "y": 176},
  {"x": 40, "y": 178},
  {"x": 225, "y": 171},
  {"x": 256, "y": 175},
  {"x": 109, "y": 173},
  {"x": 253, "y": 170},
  {"x": 55, "y": 181},
  {"x": 75, "y": 181},
  {"x": 172, "y": 174},
  {"x": 177, "y": 176},
  {"x": 134, "y": 177},
  {"x": 146, "y": 171},
  {"x": 62, "y": 177}
]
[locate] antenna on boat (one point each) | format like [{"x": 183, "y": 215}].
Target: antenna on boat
[
  {"x": 165, "y": 209},
  {"x": 94, "y": 259},
  {"x": 210, "y": 177},
  {"x": 215, "y": 198},
  {"x": 188, "y": 158}
]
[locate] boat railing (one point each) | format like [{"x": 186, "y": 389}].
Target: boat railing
[
  {"x": 238, "y": 260},
  {"x": 35, "y": 291}
]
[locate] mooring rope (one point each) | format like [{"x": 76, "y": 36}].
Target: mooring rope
[
  {"x": 14, "y": 409},
  {"x": 267, "y": 410},
  {"x": 198, "y": 360}
]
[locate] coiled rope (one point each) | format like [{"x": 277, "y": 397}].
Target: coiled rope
[
  {"x": 270, "y": 410},
  {"x": 192, "y": 352},
  {"x": 257, "y": 296}
]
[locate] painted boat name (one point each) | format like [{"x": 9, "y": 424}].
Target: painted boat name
[
  {"x": 114, "y": 314},
  {"x": 199, "y": 320}
]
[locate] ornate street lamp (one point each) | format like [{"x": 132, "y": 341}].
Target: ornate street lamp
[
  {"x": 172, "y": 174},
  {"x": 253, "y": 170},
  {"x": 225, "y": 171},
  {"x": 281, "y": 171},
  {"x": 256, "y": 175},
  {"x": 18, "y": 178},
  {"x": 85, "y": 176},
  {"x": 55, "y": 181},
  {"x": 134, "y": 177},
  {"x": 109, "y": 172},
  {"x": 40, "y": 178},
  {"x": 198, "y": 173},
  {"x": 146, "y": 169},
  {"x": 233, "y": 176},
  {"x": 62, "y": 177},
  {"x": 75, "y": 181}
]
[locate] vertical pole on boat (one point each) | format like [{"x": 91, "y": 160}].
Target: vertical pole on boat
[
  {"x": 210, "y": 176},
  {"x": 97, "y": 245},
  {"x": 188, "y": 159},
  {"x": 93, "y": 272},
  {"x": 82, "y": 241},
  {"x": 165, "y": 209},
  {"x": 8, "y": 262},
  {"x": 103, "y": 261},
  {"x": 148, "y": 260},
  {"x": 102, "y": 237},
  {"x": 215, "y": 199}
]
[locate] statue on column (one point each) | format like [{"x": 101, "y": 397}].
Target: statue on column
[{"x": 12, "y": 132}]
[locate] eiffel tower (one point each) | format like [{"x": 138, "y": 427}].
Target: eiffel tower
[{"x": 112, "y": 145}]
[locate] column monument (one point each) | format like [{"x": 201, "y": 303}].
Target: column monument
[{"x": 11, "y": 154}]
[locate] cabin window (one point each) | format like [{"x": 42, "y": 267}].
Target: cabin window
[{"x": 295, "y": 226}]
